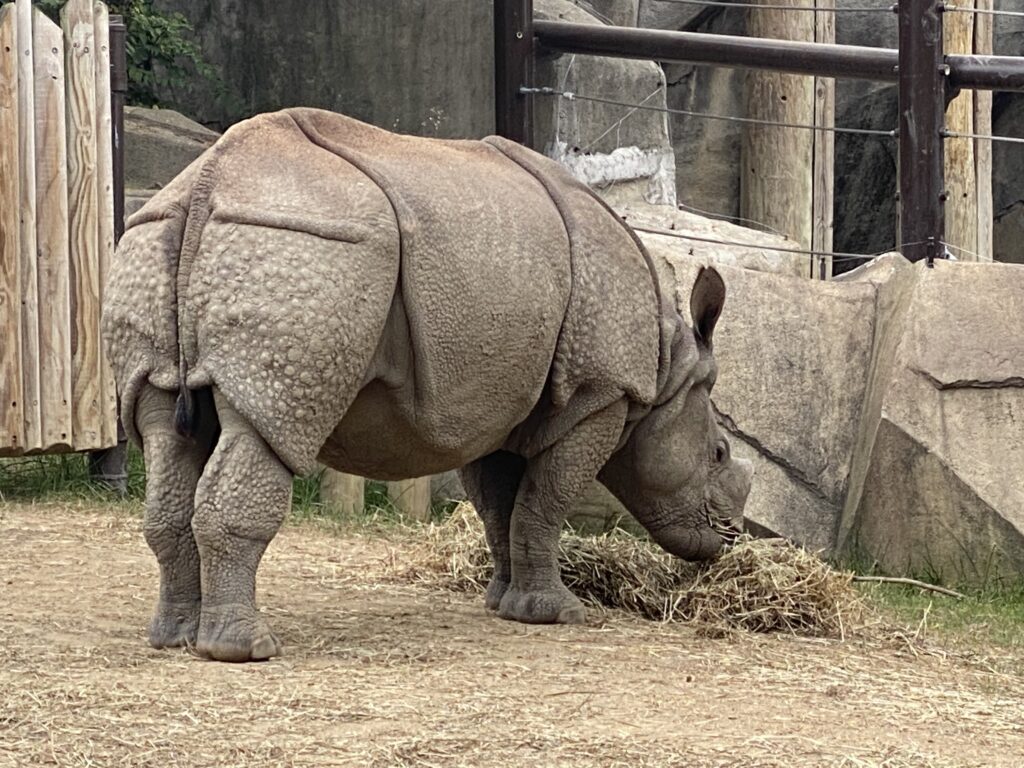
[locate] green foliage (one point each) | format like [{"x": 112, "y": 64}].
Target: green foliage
[
  {"x": 65, "y": 477},
  {"x": 159, "y": 46}
]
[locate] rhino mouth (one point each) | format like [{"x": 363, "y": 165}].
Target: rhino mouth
[{"x": 728, "y": 529}]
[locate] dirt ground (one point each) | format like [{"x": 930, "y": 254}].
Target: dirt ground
[{"x": 380, "y": 672}]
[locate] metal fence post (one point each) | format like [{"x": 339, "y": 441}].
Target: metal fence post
[
  {"x": 923, "y": 79},
  {"x": 513, "y": 69},
  {"x": 118, "y": 90},
  {"x": 109, "y": 466}
]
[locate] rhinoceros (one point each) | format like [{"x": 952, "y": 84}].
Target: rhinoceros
[{"x": 315, "y": 289}]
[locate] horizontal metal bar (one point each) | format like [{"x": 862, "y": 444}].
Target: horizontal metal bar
[
  {"x": 987, "y": 73},
  {"x": 797, "y": 58},
  {"x": 998, "y": 73}
]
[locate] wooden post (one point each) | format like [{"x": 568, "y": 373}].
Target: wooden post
[
  {"x": 52, "y": 265},
  {"x": 10, "y": 255},
  {"x": 960, "y": 167},
  {"x": 411, "y": 497},
  {"x": 922, "y": 107},
  {"x": 776, "y": 183},
  {"x": 77, "y": 21},
  {"x": 983, "y": 45},
  {"x": 824, "y": 150},
  {"x": 29, "y": 287},
  {"x": 345, "y": 493},
  {"x": 513, "y": 69}
]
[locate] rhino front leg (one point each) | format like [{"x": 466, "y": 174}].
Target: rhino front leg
[
  {"x": 173, "y": 467},
  {"x": 551, "y": 483},
  {"x": 243, "y": 497},
  {"x": 492, "y": 483}
]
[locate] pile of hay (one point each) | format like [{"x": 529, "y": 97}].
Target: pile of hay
[{"x": 758, "y": 586}]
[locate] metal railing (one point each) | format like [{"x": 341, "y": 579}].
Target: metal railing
[{"x": 928, "y": 80}]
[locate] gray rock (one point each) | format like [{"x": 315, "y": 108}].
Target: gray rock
[
  {"x": 622, "y": 13},
  {"x": 604, "y": 144},
  {"x": 158, "y": 144},
  {"x": 447, "y": 487},
  {"x": 416, "y": 66},
  {"x": 707, "y": 151},
  {"x": 942, "y": 493},
  {"x": 1008, "y": 235},
  {"x": 752, "y": 249}
]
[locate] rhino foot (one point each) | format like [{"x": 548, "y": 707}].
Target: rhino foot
[
  {"x": 235, "y": 633},
  {"x": 496, "y": 589},
  {"x": 175, "y": 625},
  {"x": 548, "y": 606}
]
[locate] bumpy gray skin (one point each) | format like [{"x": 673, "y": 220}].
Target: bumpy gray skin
[{"x": 313, "y": 288}]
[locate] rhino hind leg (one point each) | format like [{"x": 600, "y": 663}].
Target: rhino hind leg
[
  {"x": 242, "y": 499},
  {"x": 552, "y": 481},
  {"x": 492, "y": 483},
  {"x": 173, "y": 467}
]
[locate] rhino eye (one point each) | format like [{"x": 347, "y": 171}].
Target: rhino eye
[{"x": 721, "y": 451}]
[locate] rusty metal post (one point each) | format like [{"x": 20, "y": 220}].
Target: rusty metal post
[
  {"x": 118, "y": 91},
  {"x": 109, "y": 467},
  {"x": 923, "y": 83},
  {"x": 513, "y": 69}
]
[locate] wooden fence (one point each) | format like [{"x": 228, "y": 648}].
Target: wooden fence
[{"x": 56, "y": 228}]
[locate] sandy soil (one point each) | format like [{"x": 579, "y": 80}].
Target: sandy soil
[{"x": 378, "y": 672}]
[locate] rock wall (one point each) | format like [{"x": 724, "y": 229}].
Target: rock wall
[
  {"x": 415, "y": 66},
  {"x": 942, "y": 456}
]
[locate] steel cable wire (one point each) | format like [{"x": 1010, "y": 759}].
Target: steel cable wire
[{"x": 548, "y": 91}]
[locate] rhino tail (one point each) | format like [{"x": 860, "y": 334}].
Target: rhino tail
[{"x": 186, "y": 411}]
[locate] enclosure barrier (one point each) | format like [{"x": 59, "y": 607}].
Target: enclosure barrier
[
  {"x": 928, "y": 80},
  {"x": 57, "y": 226}
]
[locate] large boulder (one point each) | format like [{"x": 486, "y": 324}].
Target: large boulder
[
  {"x": 939, "y": 487},
  {"x": 687, "y": 235},
  {"x": 158, "y": 145}
]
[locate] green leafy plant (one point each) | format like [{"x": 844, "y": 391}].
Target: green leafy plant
[{"x": 159, "y": 46}]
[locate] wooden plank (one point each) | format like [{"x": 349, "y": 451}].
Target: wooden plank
[
  {"x": 776, "y": 163},
  {"x": 411, "y": 497},
  {"x": 344, "y": 493},
  {"x": 983, "y": 45},
  {"x": 10, "y": 191},
  {"x": 824, "y": 150},
  {"x": 31, "y": 429},
  {"x": 105, "y": 221},
  {"x": 52, "y": 234},
  {"x": 83, "y": 209},
  {"x": 961, "y": 183}
]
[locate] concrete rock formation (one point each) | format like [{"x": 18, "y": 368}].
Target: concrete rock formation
[
  {"x": 158, "y": 145},
  {"x": 605, "y": 145},
  {"x": 939, "y": 486}
]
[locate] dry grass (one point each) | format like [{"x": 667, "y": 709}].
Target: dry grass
[
  {"x": 758, "y": 586},
  {"x": 382, "y": 673}
]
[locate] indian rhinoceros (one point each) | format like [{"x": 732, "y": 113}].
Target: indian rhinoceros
[{"x": 316, "y": 289}]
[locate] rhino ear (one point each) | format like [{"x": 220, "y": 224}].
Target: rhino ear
[{"x": 706, "y": 301}]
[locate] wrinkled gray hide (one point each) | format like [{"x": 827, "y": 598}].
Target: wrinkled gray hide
[{"x": 313, "y": 288}]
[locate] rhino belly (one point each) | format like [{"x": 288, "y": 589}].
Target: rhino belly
[{"x": 421, "y": 413}]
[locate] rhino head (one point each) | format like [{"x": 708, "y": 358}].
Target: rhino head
[{"x": 675, "y": 472}]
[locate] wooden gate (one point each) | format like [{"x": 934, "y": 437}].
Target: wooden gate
[{"x": 56, "y": 229}]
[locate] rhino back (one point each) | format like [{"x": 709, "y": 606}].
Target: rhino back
[
  {"x": 483, "y": 287},
  {"x": 283, "y": 301}
]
